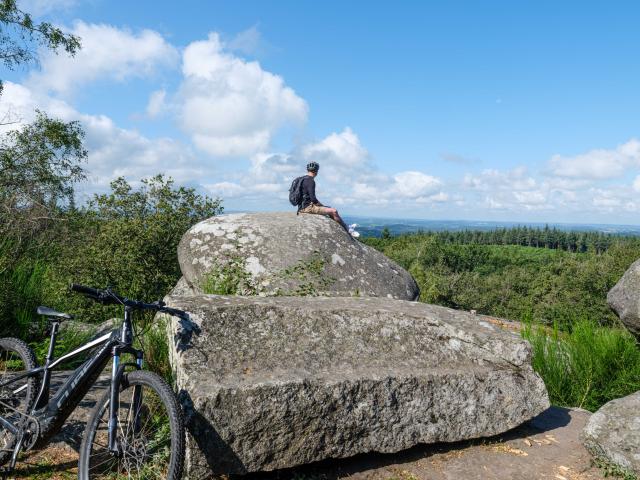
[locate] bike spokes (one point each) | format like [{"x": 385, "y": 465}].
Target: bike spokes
[{"x": 143, "y": 438}]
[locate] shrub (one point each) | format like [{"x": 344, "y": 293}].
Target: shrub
[{"x": 587, "y": 366}]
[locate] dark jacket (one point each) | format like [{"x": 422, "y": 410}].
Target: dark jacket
[{"x": 308, "y": 192}]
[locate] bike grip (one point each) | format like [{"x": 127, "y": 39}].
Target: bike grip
[{"x": 86, "y": 290}]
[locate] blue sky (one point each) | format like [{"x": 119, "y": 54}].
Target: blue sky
[{"x": 522, "y": 111}]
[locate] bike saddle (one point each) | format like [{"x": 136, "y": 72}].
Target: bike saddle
[{"x": 50, "y": 312}]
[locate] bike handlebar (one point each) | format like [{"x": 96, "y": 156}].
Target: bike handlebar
[{"x": 108, "y": 297}]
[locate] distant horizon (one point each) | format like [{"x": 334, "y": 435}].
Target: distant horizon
[{"x": 460, "y": 220}]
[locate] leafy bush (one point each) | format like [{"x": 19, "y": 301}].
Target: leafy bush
[
  {"x": 587, "y": 366},
  {"x": 128, "y": 240},
  {"x": 513, "y": 281}
]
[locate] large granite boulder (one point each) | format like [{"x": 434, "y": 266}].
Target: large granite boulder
[
  {"x": 624, "y": 298},
  {"x": 612, "y": 434},
  {"x": 291, "y": 254},
  {"x": 274, "y": 382}
]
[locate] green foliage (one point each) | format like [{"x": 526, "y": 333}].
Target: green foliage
[
  {"x": 587, "y": 366},
  {"x": 309, "y": 276},
  {"x": 230, "y": 277},
  {"x": 128, "y": 240},
  {"x": 66, "y": 341},
  {"x": 152, "y": 339},
  {"x": 524, "y": 236},
  {"x": 511, "y": 281},
  {"x": 39, "y": 165},
  {"x": 19, "y": 36},
  {"x": 614, "y": 471},
  {"x": 21, "y": 280}
]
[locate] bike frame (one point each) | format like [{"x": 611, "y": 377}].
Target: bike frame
[{"x": 51, "y": 413}]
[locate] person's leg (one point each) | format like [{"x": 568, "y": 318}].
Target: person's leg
[
  {"x": 329, "y": 211},
  {"x": 336, "y": 216}
]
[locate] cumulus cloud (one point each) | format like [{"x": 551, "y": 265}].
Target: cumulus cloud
[
  {"x": 513, "y": 189},
  {"x": 413, "y": 185},
  {"x": 107, "y": 53},
  {"x": 113, "y": 151},
  {"x": 636, "y": 184},
  {"x": 347, "y": 176},
  {"x": 492, "y": 179},
  {"x": 232, "y": 107},
  {"x": 598, "y": 164}
]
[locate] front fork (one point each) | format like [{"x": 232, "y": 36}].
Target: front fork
[{"x": 117, "y": 372}]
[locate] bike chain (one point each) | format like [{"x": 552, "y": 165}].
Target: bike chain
[{"x": 29, "y": 424}]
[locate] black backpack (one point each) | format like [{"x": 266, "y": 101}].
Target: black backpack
[{"x": 295, "y": 191}]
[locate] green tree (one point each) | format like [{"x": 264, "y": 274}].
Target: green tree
[
  {"x": 20, "y": 35},
  {"x": 39, "y": 165},
  {"x": 127, "y": 239}
]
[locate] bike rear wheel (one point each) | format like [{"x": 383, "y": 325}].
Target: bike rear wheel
[
  {"x": 17, "y": 398},
  {"x": 150, "y": 433}
]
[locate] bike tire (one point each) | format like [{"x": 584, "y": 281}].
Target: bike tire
[
  {"x": 94, "y": 456},
  {"x": 22, "y": 358}
]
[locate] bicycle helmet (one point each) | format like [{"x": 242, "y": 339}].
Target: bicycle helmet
[{"x": 313, "y": 167}]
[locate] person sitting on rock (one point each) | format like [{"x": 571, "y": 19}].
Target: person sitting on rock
[{"x": 310, "y": 204}]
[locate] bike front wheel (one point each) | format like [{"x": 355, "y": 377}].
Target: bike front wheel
[{"x": 150, "y": 433}]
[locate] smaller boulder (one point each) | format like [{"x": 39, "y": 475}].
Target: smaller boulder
[
  {"x": 624, "y": 298},
  {"x": 612, "y": 434},
  {"x": 287, "y": 254}
]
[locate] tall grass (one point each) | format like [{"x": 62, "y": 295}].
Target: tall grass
[
  {"x": 21, "y": 291},
  {"x": 587, "y": 366}
]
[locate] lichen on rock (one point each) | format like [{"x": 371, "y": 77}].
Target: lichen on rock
[{"x": 270, "y": 244}]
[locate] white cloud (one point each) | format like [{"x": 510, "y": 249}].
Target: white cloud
[
  {"x": 492, "y": 179},
  {"x": 347, "y": 176},
  {"x": 413, "y": 185},
  {"x": 636, "y": 184},
  {"x": 38, "y": 8},
  {"x": 598, "y": 164},
  {"x": 514, "y": 190},
  {"x": 156, "y": 104},
  {"x": 107, "y": 53},
  {"x": 231, "y": 107},
  {"x": 249, "y": 41},
  {"x": 530, "y": 199},
  {"x": 113, "y": 151},
  {"x": 338, "y": 148},
  {"x": 614, "y": 200}
]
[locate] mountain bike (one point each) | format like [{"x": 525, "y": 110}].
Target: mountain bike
[{"x": 135, "y": 430}]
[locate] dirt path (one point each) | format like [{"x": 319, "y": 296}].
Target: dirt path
[{"x": 545, "y": 448}]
